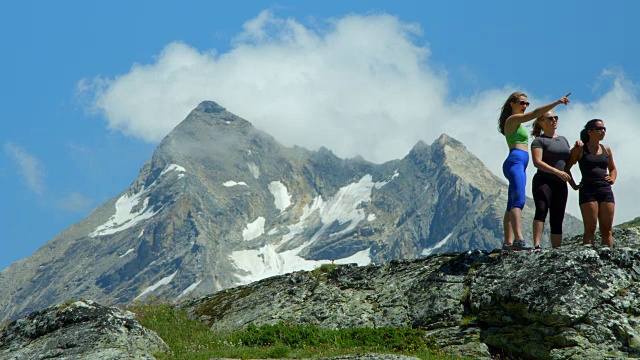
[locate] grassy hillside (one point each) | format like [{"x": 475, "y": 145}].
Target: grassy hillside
[
  {"x": 633, "y": 223},
  {"x": 190, "y": 339}
]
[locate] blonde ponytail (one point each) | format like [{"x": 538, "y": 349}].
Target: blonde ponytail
[{"x": 537, "y": 129}]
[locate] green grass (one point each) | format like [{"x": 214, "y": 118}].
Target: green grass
[
  {"x": 190, "y": 339},
  {"x": 633, "y": 223}
]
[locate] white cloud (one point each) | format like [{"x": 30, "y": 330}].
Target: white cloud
[
  {"x": 359, "y": 85},
  {"x": 75, "y": 202},
  {"x": 29, "y": 166}
]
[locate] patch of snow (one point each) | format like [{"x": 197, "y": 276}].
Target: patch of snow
[
  {"x": 163, "y": 281},
  {"x": 254, "y": 229},
  {"x": 266, "y": 262},
  {"x": 126, "y": 253},
  {"x": 371, "y": 217},
  {"x": 255, "y": 170},
  {"x": 361, "y": 258},
  {"x": 280, "y": 194},
  {"x": 380, "y": 184},
  {"x": 273, "y": 231},
  {"x": 428, "y": 251},
  {"x": 173, "y": 167},
  {"x": 124, "y": 218},
  {"x": 298, "y": 227},
  {"x": 141, "y": 232},
  {"x": 342, "y": 207},
  {"x": 233, "y": 183},
  {"x": 189, "y": 289}
]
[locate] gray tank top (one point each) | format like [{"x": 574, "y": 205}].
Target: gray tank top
[{"x": 555, "y": 151}]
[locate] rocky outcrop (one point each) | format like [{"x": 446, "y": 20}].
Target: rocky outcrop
[
  {"x": 575, "y": 302},
  {"x": 82, "y": 330}
]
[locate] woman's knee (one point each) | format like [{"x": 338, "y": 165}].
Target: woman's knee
[
  {"x": 605, "y": 230},
  {"x": 590, "y": 228}
]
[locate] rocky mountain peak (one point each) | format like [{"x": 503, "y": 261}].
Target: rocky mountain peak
[
  {"x": 222, "y": 203},
  {"x": 210, "y": 107}
]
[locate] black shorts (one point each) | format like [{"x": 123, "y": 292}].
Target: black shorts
[{"x": 598, "y": 192}]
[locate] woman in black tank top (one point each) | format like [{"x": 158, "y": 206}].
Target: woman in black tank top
[{"x": 599, "y": 172}]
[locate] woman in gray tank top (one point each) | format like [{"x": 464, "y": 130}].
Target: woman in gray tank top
[{"x": 549, "y": 152}]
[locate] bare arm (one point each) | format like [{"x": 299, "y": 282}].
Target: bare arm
[
  {"x": 515, "y": 120},
  {"x": 576, "y": 154},
  {"x": 536, "y": 155},
  {"x": 613, "y": 172}
]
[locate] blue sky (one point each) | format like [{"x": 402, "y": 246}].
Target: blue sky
[{"x": 87, "y": 89}]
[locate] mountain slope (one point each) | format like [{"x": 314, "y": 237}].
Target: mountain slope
[{"x": 222, "y": 203}]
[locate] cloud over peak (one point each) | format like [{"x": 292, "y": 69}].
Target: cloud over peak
[{"x": 358, "y": 85}]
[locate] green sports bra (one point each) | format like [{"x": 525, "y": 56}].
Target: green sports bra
[{"x": 519, "y": 136}]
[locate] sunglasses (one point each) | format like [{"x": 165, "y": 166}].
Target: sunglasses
[
  {"x": 598, "y": 128},
  {"x": 525, "y": 103},
  {"x": 552, "y": 118}
]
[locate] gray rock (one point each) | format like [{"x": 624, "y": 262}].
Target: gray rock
[
  {"x": 79, "y": 330},
  {"x": 575, "y": 302}
]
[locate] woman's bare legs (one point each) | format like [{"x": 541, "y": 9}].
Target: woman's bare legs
[
  {"x": 556, "y": 240},
  {"x": 537, "y": 227},
  {"x": 515, "y": 218},
  {"x": 508, "y": 233},
  {"x": 589, "y": 212},
  {"x": 605, "y": 217}
]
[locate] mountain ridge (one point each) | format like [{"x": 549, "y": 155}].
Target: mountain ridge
[{"x": 221, "y": 203}]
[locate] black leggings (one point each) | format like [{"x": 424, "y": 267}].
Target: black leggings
[{"x": 550, "y": 196}]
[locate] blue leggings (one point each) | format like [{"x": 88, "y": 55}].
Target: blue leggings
[{"x": 514, "y": 169}]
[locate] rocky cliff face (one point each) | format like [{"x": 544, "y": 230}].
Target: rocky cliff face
[
  {"x": 575, "y": 302},
  {"x": 222, "y": 204},
  {"x": 82, "y": 330}
]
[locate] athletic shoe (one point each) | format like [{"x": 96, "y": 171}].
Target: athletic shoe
[
  {"x": 537, "y": 247},
  {"x": 520, "y": 245}
]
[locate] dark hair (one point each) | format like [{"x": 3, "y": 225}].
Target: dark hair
[
  {"x": 590, "y": 125},
  {"x": 506, "y": 109}
]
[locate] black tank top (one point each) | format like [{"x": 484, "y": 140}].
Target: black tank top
[{"x": 593, "y": 167}]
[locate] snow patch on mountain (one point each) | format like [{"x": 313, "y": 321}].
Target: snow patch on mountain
[
  {"x": 342, "y": 207},
  {"x": 428, "y": 251},
  {"x": 254, "y": 169},
  {"x": 124, "y": 218},
  {"x": 189, "y": 289},
  {"x": 163, "y": 281},
  {"x": 126, "y": 253},
  {"x": 174, "y": 167},
  {"x": 280, "y": 194},
  {"x": 271, "y": 263},
  {"x": 233, "y": 183},
  {"x": 254, "y": 229},
  {"x": 298, "y": 227}
]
